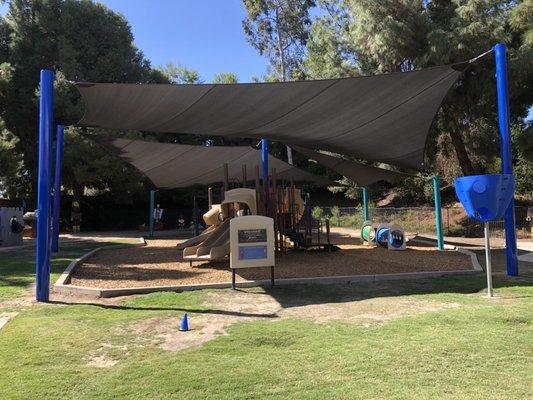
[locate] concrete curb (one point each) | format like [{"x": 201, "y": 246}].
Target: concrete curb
[
  {"x": 528, "y": 257},
  {"x": 64, "y": 278},
  {"x": 62, "y": 285},
  {"x": 473, "y": 257},
  {"x": 106, "y": 293}
]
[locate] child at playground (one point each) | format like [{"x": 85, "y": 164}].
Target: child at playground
[
  {"x": 75, "y": 217},
  {"x": 158, "y": 213}
]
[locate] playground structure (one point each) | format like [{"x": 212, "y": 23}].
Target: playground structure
[
  {"x": 281, "y": 201},
  {"x": 389, "y": 236},
  {"x": 315, "y": 114}
]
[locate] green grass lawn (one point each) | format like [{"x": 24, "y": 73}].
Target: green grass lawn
[
  {"x": 480, "y": 348},
  {"x": 17, "y": 268}
]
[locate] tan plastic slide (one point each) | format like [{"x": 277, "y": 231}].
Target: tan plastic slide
[
  {"x": 212, "y": 220},
  {"x": 216, "y": 245},
  {"x": 213, "y": 243}
]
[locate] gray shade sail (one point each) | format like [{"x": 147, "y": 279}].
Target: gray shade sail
[
  {"x": 171, "y": 166},
  {"x": 382, "y": 118},
  {"x": 361, "y": 174}
]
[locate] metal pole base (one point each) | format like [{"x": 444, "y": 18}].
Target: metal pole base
[
  {"x": 233, "y": 279},
  {"x": 272, "y": 276},
  {"x": 488, "y": 260}
]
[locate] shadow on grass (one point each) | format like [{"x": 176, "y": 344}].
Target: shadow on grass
[
  {"x": 312, "y": 294},
  {"x": 179, "y": 309}
]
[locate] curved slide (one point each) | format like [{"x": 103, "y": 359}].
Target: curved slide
[
  {"x": 215, "y": 246},
  {"x": 197, "y": 239}
]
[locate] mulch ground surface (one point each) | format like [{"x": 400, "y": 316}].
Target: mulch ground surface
[{"x": 160, "y": 263}]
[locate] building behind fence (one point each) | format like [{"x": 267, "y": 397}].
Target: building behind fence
[{"x": 422, "y": 220}]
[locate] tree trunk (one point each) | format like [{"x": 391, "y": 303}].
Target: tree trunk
[
  {"x": 462, "y": 155},
  {"x": 289, "y": 155},
  {"x": 78, "y": 190},
  {"x": 281, "y": 50}
]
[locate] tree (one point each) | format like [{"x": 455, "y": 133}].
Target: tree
[
  {"x": 179, "y": 74},
  {"x": 326, "y": 56},
  {"x": 47, "y": 34},
  {"x": 225, "y": 77},
  {"x": 391, "y": 35},
  {"x": 279, "y": 29},
  {"x": 522, "y": 135},
  {"x": 11, "y": 183}
]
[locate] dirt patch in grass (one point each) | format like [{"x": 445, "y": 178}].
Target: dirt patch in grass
[
  {"x": 107, "y": 355},
  {"x": 164, "y": 332},
  {"x": 161, "y": 263},
  {"x": 230, "y": 307},
  {"x": 102, "y": 361},
  {"x": 366, "y": 312},
  {"x": 362, "y": 311}
]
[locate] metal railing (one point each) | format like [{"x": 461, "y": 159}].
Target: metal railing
[{"x": 422, "y": 220}]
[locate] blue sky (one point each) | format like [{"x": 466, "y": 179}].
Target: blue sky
[{"x": 206, "y": 35}]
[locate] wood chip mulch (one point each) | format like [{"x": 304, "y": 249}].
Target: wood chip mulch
[{"x": 160, "y": 263}]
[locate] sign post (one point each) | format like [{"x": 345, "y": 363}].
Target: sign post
[{"x": 251, "y": 244}]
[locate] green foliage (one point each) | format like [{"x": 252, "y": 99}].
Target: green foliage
[
  {"x": 523, "y": 136},
  {"x": 317, "y": 213},
  {"x": 47, "y": 34},
  {"x": 279, "y": 29},
  {"x": 368, "y": 37},
  {"x": 11, "y": 183},
  {"x": 335, "y": 215},
  {"x": 180, "y": 74},
  {"x": 226, "y": 77},
  {"x": 523, "y": 168}
]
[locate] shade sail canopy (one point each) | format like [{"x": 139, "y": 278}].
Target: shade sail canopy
[
  {"x": 172, "y": 166},
  {"x": 382, "y": 118},
  {"x": 361, "y": 174}
]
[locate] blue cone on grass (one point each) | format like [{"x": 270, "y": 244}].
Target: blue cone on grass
[{"x": 184, "y": 323}]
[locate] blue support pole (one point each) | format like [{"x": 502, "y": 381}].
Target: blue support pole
[
  {"x": 366, "y": 214},
  {"x": 57, "y": 188},
  {"x": 151, "y": 216},
  {"x": 438, "y": 212},
  {"x": 502, "y": 87},
  {"x": 264, "y": 163},
  {"x": 46, "y": 123}
]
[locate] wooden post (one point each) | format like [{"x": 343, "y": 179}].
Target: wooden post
[
  {"x": 274, "y": 207},
  {"x": 274, "y": 196},
  {"x": 257, "y": 178},
  {"x": 258, "y": 191},
  {"x": 226, "y": 173},
  {"x": 210, "y": 197},
  {"x": 291, "y": 205}
]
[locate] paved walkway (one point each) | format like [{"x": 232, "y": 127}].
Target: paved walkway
[{"x": 526, "y": 246}]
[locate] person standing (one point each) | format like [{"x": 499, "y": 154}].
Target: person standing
[
  {"x": 75, "y": 217},
  {"x": 158, "y": 213}
]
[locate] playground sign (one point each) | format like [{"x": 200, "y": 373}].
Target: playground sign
[{"x": 251, "y": 243}]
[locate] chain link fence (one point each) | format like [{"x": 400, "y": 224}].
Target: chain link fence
[{"x": 422, "y": 220}]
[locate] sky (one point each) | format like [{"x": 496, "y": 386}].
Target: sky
[{"x": 205, "y": 35}]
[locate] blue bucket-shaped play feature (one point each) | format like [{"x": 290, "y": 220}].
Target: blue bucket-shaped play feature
[{"x": 485, "y": 197}]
